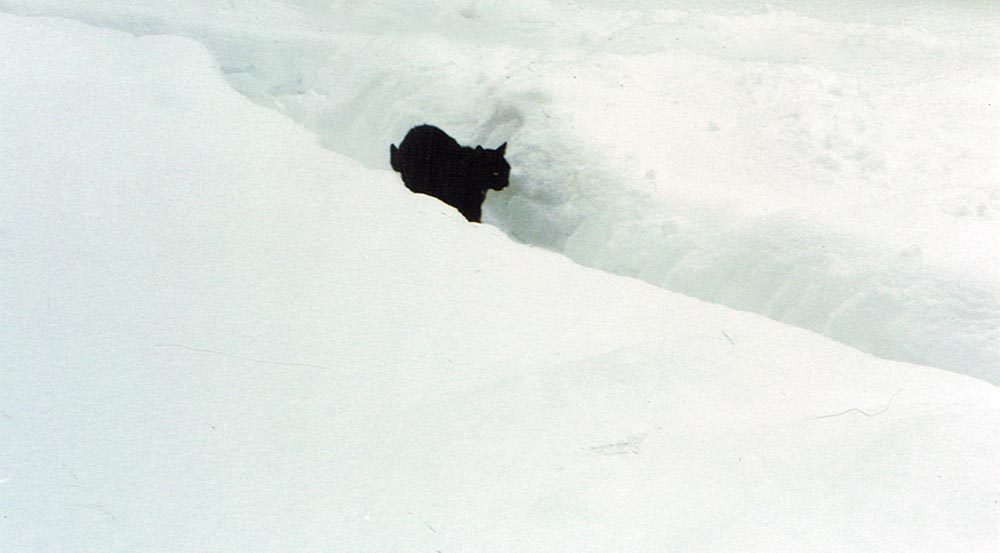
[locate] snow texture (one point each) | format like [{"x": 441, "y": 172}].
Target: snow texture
[
  {"x": 221, "y": 336},
  {"x": 831, "y": 168}
]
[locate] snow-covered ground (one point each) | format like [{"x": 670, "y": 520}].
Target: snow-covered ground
[
  {"x": 834, "y": 168},
  {"x": 220, "y": 336}
]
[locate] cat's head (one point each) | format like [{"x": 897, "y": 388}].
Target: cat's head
[{"x": 493, "y": 170}]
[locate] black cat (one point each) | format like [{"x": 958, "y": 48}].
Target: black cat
[{"x": 433, "y": 163}]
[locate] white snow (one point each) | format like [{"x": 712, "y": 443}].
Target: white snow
[
  {"x": 833, "y": 168},
  {"x": 220, "y": 336}
]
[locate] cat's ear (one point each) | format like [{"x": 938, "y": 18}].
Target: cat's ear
[
  {"x": 502, "y": 149},
  {"x": 394, "y": 157}
]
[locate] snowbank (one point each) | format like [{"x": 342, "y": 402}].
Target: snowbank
[
  {"x": 834, "y": 168},
  {"x": 221, "y": 337}
]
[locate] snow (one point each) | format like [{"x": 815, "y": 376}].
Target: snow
[
  {"x": 222, "y": 336},
  {"x": 830, "y": 168}
]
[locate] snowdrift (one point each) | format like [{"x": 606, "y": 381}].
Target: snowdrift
[
  {"x": 831, "y": 167},
  {"x": 221, "y": 337}
]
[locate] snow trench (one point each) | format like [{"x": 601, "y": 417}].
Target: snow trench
[{"x": 836, "y": 174}]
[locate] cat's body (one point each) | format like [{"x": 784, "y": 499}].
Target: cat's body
[{"x": 433, "y": 163}]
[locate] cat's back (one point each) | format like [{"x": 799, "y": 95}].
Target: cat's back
[{"x": 428, "y": 138}]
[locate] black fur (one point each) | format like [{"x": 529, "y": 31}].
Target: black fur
[{"x": 433, "y": 163}]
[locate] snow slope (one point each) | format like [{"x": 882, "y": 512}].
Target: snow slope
[
  {"x": 221, "y": 337},
  {"x": 831, "y": 167}
]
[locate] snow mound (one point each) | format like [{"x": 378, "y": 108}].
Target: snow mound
[{"x": 220, "y": 336}]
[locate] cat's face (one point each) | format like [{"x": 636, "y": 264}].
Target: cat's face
[{"x": 494, "y": 169}]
